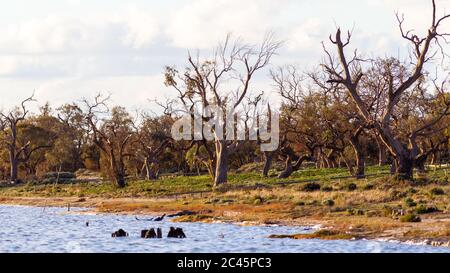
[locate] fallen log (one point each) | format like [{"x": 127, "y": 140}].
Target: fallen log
[
  {"x": 160, "y": 218},
  {"x": 182, "y": 213}
]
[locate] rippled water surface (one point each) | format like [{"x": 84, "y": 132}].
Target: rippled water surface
[{"x": 35, "y": 229}]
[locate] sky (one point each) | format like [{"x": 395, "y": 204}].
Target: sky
[{"x": 65, "y": 50}]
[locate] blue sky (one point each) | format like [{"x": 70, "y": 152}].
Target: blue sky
[{"x": 68, "y": 49}]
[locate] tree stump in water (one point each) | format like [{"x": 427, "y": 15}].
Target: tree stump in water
[
  {"x": 176, "y": 233},
  {"x": 143, "y": 233},
  {"x": 151, "y": 234},
  {"x": 120, "y": 233},
  {"x": 159, "y": 233}
]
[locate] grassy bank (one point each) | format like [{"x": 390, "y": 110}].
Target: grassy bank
[
  {"x": 172, "y": 185},
  {"x": 375, "y": 207}
]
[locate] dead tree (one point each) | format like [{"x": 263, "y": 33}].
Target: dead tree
[
  {"x": 9, "y": 126},
  {"x": 202, "y": 84},
  {"x": 110, "y": 136},
  {"x": 349, "y": 74}
]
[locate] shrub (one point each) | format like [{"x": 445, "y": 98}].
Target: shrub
[
  {"x": 62, "y": 175},
  {"x": 351, "y": 187},
  {"x": 311, "y": 187},
  {"x": 352, "y": 211},
  {"x": 395, "y": 194},
  {"x": 410, "y": 218},
  {"x": 327, "y": 188},
  {"x": 328, "y": 202},
  {"x": 52, "y": 177},
  {"x": 423, "y": 209},
  {"x": 437, "y": 191},
  {"x": 368, "y": 187},
  {"x": 300, "y": 203},
  {"x": 258, "y": 200},
  {"x": 410, "y": 202}
]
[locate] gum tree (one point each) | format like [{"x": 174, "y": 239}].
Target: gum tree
[
  {"x": 348, "y": 72},
  {"x": 222, "y": 81},
  {"x": 19, "y": 149}
]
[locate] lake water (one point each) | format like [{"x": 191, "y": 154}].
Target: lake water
[{"x": 35, "y": 229}]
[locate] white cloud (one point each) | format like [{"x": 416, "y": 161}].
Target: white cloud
[
  {"x": 143, "y": 28},
  {"x": 202, "y": 23},
  {"x": 131, "y": 91},
  {"x": 308, "y": 35},
  {"x": 54, "y": 34},
  {"x": 90, "y": 46}
]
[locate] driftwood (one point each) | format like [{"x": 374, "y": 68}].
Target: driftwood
[
  {"x": 182, "y": 213},
  {"x": 176, "y": 233},
  {"x": 159, "y": 218},
  {"x": 120, "y": 233}
]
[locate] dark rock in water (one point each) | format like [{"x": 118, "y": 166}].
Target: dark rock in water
[
  {"x": 159, "y": 233},
  {"x": 120, "y": 233},
  {"x": 182, "y": 213},
  {"x": 159, "y": 218},
  {"x": 176, "y": 233}
]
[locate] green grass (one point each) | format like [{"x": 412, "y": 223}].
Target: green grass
[{"x": 182, "y": 184}]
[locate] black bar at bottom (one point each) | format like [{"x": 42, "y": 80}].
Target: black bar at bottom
[{"x": 223, "y": 262}]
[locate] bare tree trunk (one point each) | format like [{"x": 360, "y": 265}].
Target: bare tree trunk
[
  {"x": 434, "y": 157},
  {"x": 289, "y": 168},
  {"x": 347, "y": 164},
  {"x": 221, "y": 175},
  {"x": 14, "y": 168},
  {"x": 405, "y": 165},
  {"x": 359, "y": 153},
  {"x": 120, "y": 180},
  {"x": 268, "y": 157},
  {"x": 150, "y": 173},
  {"x": 382, "y": 157},
  {"x": 117, "y": 172},
  {"x": 420, "y": 163}
]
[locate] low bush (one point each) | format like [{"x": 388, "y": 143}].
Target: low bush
[
  {"x": 328, "y": 202},
  {"x": 424, "y": 209},
  {"x": 351, "y": 187},
  {"x": 409, "y": 202},
  {"x": 311, "y": 187},
  {"x": 437, "y": 191},
  {"x": 327, "y": 188},
  {"x": 357, "y": 212},
  {"x": 410, "y": 218},
  {"x": 62, "y": 175}
]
